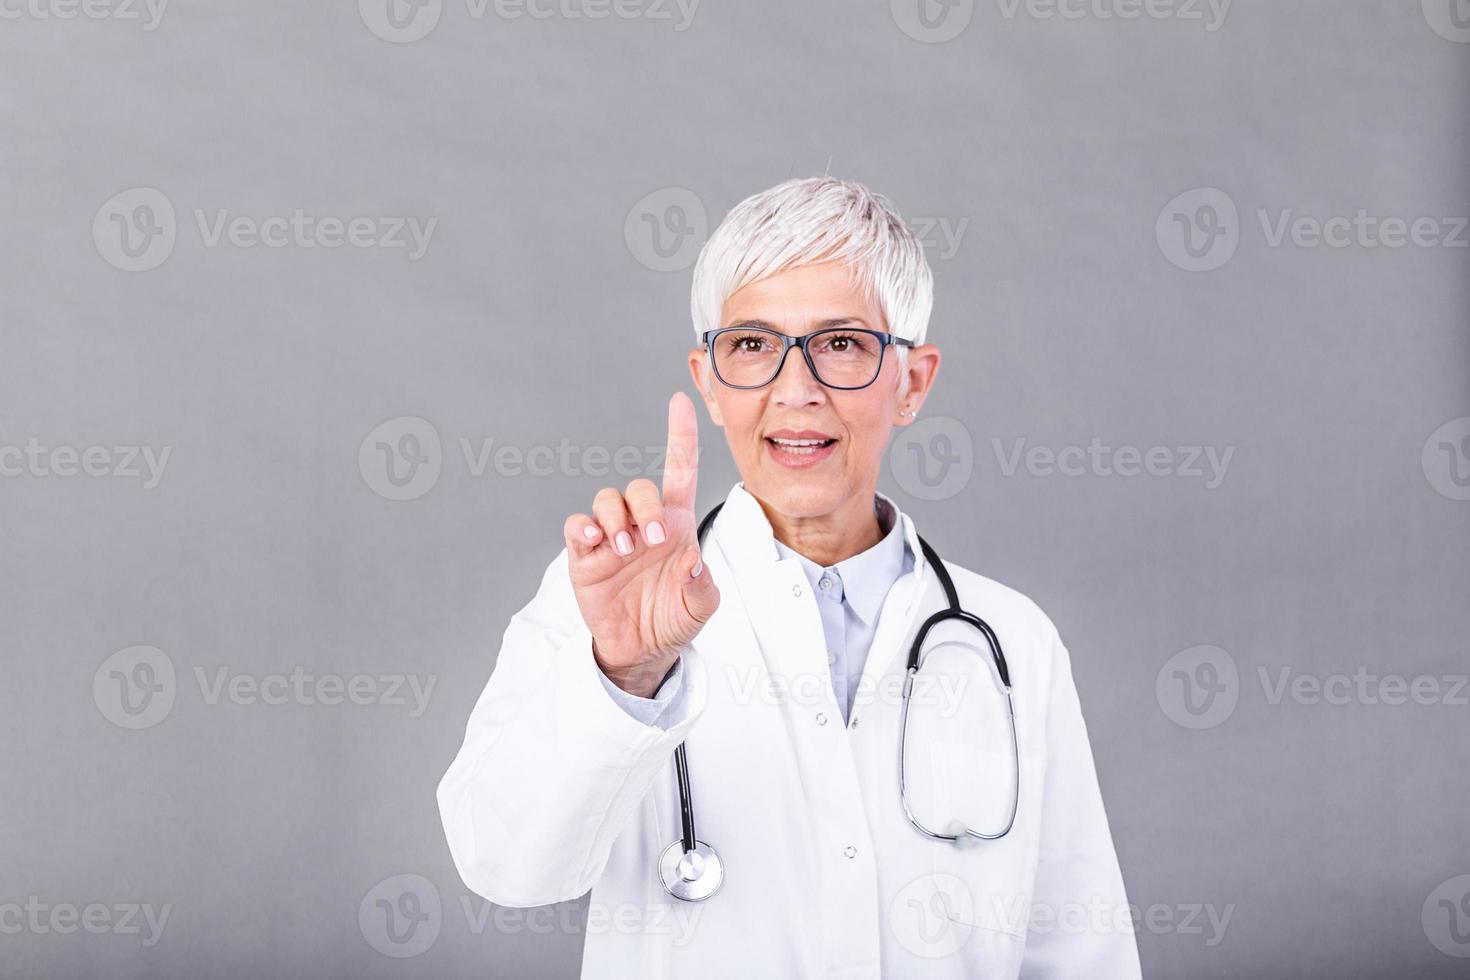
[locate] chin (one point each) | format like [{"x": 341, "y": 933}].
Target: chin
[{"x": 796, "y": 496}]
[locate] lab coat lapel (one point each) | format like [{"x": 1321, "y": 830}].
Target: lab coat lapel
[
  {"x": 917, "y": 592},
  {"x": 773, "y": 594},
  {"x": 772, "y": 613}
]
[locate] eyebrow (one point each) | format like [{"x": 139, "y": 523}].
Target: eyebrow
[{"x": 841, "y": 321}]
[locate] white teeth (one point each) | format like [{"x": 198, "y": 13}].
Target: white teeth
[{"x": 800, "y": 447}]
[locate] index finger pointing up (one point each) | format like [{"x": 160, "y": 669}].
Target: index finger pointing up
[{"x": 681, "y": 457}]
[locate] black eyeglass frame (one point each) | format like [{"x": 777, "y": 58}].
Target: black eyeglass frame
[{"x": 787, "y": 342}]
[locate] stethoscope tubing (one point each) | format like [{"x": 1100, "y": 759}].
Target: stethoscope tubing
[
  {"x": 689, "y": 842},
  {"x": 686, "y": 799}
]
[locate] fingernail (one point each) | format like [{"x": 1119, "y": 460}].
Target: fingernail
[
  {"x": 624, "y": 543},
  {"x": 654, "y": 532},
  {"x": 698, "y": 567},
  {"x": 590, "y": 531}
]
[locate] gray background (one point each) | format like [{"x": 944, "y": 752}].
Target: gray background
[{"x": 535, "y": 315}]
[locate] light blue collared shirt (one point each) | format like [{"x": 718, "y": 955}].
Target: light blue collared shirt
[{"x": 849, "y": 597}]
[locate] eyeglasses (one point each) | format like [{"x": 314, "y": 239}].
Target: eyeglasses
[{"x": 846, "y": 358}]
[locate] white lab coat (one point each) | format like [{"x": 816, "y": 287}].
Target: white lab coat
[{"x": 557, "y": 790}]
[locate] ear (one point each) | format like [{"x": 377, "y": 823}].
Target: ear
[
  {"x": 923, "y": 366},
  {"x": 703, "y": 383}
]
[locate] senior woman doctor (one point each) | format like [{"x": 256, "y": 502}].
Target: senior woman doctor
[{"x": 778, "y": 656}]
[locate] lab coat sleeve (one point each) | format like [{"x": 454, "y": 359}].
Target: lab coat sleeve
[
  {"x": 650, "y": 711},
  {"x": 552, "y": 768},
  {"x": 1077, "y": 867}
]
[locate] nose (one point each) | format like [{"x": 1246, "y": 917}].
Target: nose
[{"x": 795, "y": 384}]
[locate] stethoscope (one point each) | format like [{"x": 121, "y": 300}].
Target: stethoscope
[{"x": 692, "y": 870}]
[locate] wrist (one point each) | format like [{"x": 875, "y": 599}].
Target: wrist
[{"x": 640, "y": 680}]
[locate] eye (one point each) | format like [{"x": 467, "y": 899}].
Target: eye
[
  {"x": 844, "y": 343},
  {"x": 747, "y": 343}
]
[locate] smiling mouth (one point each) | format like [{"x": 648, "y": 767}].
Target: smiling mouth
[{"x": 800, "y": 447}]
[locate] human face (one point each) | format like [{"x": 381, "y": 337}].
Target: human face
[{"x": 840, "y": 476}]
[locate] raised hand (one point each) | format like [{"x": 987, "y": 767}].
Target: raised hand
[{"x": 635, "y": 567}]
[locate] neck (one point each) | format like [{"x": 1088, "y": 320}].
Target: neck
[{"x": 829, "y": 538}]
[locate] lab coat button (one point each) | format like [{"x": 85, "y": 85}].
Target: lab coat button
[
  {"x": 850, "y": 851},
  {"x": 796, "y": 591},
  {"x": 853, "y": 723},
  {"x": 821, "y": 718}
]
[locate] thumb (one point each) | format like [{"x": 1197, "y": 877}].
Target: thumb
[{"x": 701, "y": 596}]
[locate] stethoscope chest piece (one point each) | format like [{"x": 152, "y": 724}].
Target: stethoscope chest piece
[{"x": 691, "y": 876}]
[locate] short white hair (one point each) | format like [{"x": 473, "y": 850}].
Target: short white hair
[{"x": 817, "y": 219}]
